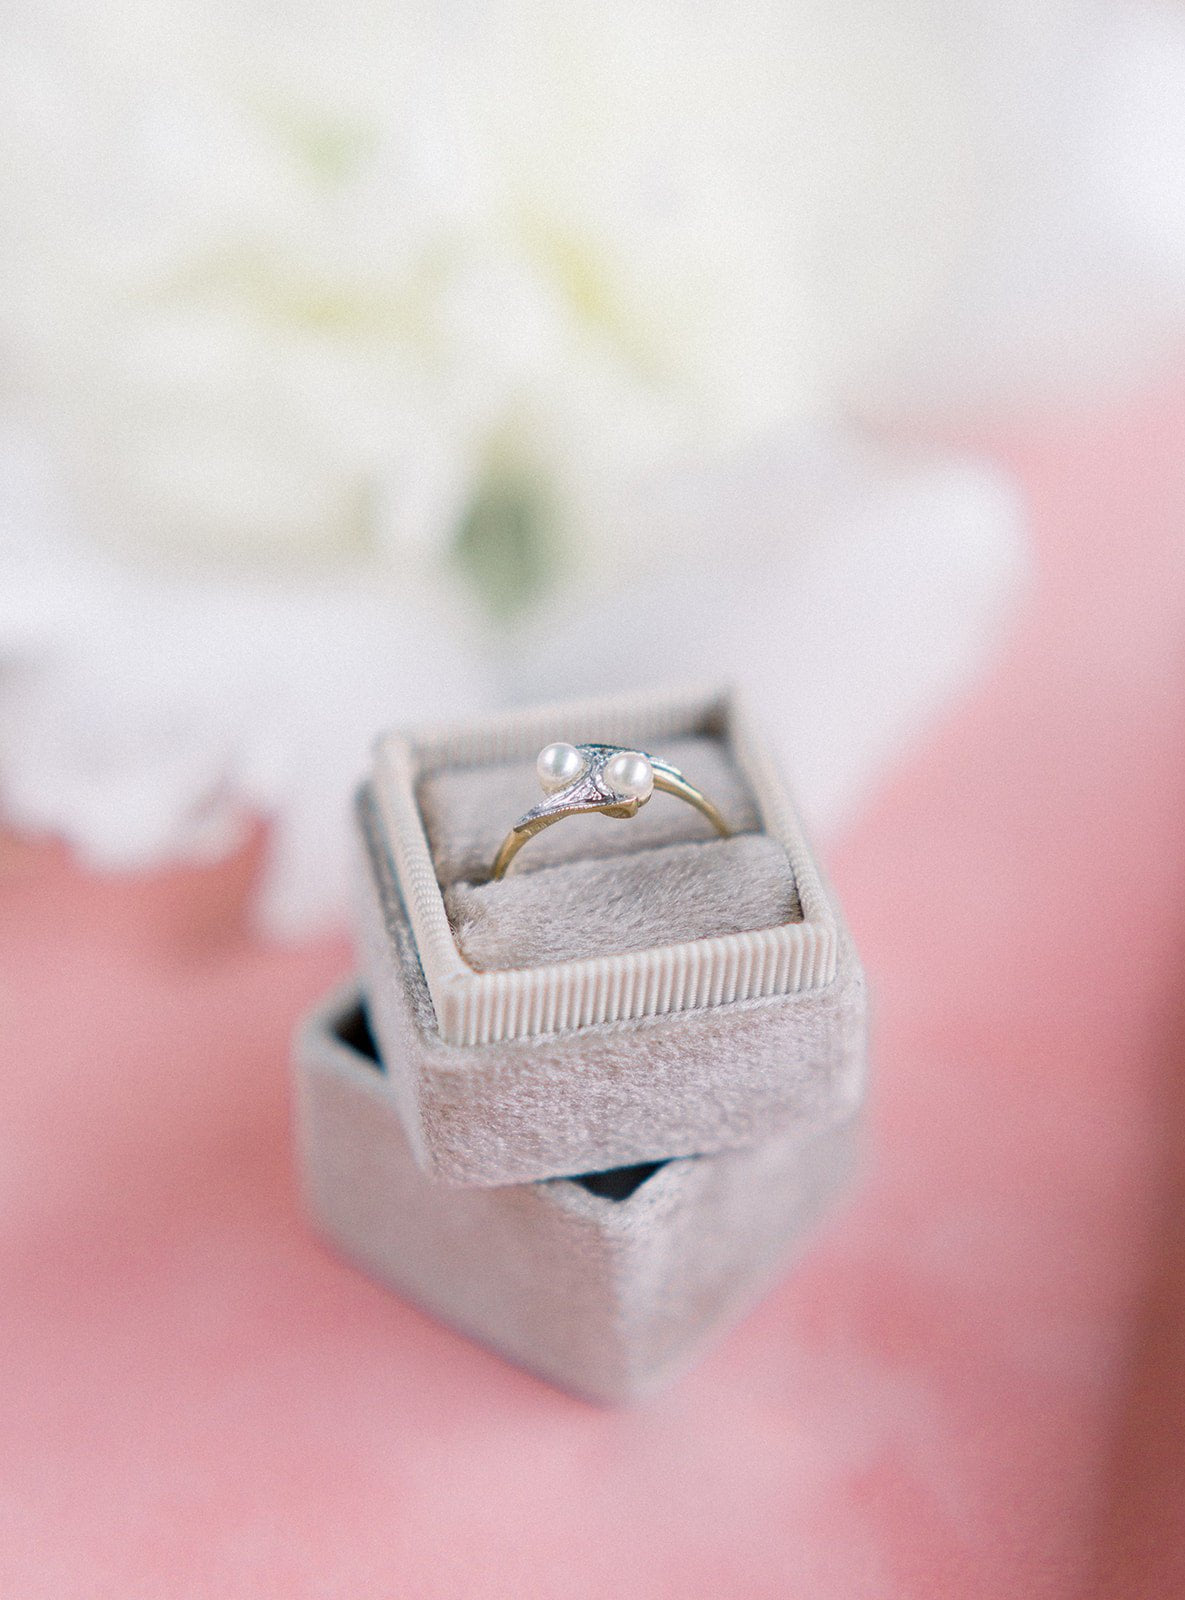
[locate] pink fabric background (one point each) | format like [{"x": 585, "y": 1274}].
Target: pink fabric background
[{"x": 972, "y": 1387}]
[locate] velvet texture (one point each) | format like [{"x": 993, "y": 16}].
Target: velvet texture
[
  {"x": 689, "y": 1083},
  {"x": 602, "y": 906},
  {"x": 607, "y": 1285},
  {"x": 520, "y": 1001}
]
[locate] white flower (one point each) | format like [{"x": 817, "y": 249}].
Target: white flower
[
  {"x": 298, "y": 282},
  {"x": 307, "y": 308}
]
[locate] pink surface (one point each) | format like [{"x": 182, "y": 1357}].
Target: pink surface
[{"x": 972, "y": 1387}]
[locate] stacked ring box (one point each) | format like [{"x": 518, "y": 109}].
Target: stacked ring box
[{"x": 583, "y": 1111}]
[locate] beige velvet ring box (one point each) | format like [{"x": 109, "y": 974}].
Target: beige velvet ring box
[
  {"x": 633, "y": 990},
  {"x": 607, "y": 1284}
]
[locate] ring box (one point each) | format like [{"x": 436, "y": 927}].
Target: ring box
[
  {"x": 631, "y": 991},
  {"x": 607, "y": 1284}
]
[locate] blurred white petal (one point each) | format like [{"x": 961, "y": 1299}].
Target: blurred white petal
[
  {"x": 252, "y": 258},
  {"x": 288, "y": 290},
  {"x": 850, "y": 592},
  {"x": 144, "y": 714}
]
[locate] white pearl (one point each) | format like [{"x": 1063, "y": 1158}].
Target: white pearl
[
  {"x": 558, "y": 766},
  {"x": 629, "y": 773}
]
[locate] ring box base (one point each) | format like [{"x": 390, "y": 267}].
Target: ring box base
[{"x": 607, "y": 1285}]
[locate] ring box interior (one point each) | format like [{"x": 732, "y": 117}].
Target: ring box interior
[
  {"x": 607, "y": 1284},
  {"x": 633, "y": 990}
]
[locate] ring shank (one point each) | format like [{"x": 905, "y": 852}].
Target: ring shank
[{"x": 683, "y": 790}]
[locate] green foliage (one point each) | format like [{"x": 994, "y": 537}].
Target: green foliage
[{"x": 506, "y": 544}]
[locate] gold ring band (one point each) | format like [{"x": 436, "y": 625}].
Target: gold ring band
[{"x": 606, "y": 778}]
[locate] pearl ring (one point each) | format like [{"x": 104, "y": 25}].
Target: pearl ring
[{"x": 608, "y": 778}]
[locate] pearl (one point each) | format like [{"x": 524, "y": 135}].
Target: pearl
[
  {"x": 630, "y": 773},
  {"x": 558, "y": 766}
]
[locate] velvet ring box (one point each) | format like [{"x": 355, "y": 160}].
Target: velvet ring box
[
  {"x": 607, "y": 1284},
  {"x": 633, "y": 990}
]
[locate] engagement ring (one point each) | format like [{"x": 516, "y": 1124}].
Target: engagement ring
[{"x": 580, "y": 778}]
